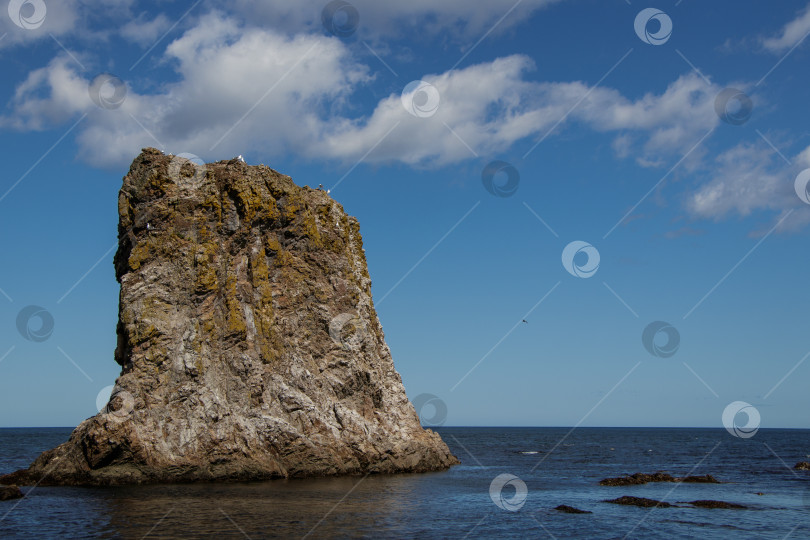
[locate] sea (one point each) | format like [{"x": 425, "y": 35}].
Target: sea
[{"x": 508, "y": 485}]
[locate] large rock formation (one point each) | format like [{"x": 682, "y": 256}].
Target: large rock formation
[{"x": 247, "y": 337}]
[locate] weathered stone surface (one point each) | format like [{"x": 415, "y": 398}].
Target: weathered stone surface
[
  {"x": 10, "y": 492},
  {"x": 249, "y": 343}
]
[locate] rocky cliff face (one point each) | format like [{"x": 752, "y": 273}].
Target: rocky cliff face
[{"x": 247, "y": 337}]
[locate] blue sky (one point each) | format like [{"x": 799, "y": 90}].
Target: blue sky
[{"x": 620, "y": 136}]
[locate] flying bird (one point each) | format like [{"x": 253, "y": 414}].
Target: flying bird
[{"x": 524, "y": 320}]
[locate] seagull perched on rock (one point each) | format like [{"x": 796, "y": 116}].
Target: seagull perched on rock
[{"x": 240, "y": 158}]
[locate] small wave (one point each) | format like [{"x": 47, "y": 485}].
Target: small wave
[
  {"x": 703, "y": 524},
  {"x": 530, "y": 452}
]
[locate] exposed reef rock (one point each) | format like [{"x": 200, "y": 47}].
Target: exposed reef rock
[
  {"x": 650, "y": 503},
  {"x": 803, "y": 466},
  {"x": 642, "y": 478},
  {"x": 717, "y": 504},
  {"x": 639, "y": 501},
  {"x": 564, "y": 508},
  {"x": 10, "y": 492},
  {"x": 248, "y": 340}
]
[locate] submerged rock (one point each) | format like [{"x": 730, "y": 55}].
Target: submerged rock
[
  {"x": 10, "y": 492},
  {"x": 717, "y": 504},
  {"x": 248, "y": 340},
  {"x": 571, "y": 510},
  {"x": 639, "y": 501},
  {"x": 643, "y": 478},
  {"x": 803, "y": 466}
]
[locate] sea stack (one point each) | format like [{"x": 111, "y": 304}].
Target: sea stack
[{"x": 248, "y": 340}]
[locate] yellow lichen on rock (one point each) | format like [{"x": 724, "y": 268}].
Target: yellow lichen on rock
[
  {"x": 264, "y": 315},
  {"x": 139, "y": 254},
  {"x": 234, "y": 318},
  {"x": 293, "y": 203},
  {"x": 205, "y": 265},
  {"x": 309, "y": 228}
]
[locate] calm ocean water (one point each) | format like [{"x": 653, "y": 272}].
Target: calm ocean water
[{"x": 456, "y": 503}]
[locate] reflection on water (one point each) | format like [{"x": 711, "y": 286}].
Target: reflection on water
[{"x": 329, "y": 507}]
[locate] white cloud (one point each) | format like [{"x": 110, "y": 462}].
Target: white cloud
[
  {"x": 790, "y": 34},
  {"x": 242, "y": 89},
  {"x": 61, "y": 18},
  {"x": 377, "y": 18},
  {"x": 145, "y": 32},
  {"x": 246, "y": 90},
  {"x": 78, "y": 18},
  {"x": 287, "y": 84},
  {"x": 490, "y": 106},
  {"x": 49, "y": 96},
  {"x": 750, "y": 178},
  {"x": 744, "y": 178},
  {"x": 672, "y": 121}
]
